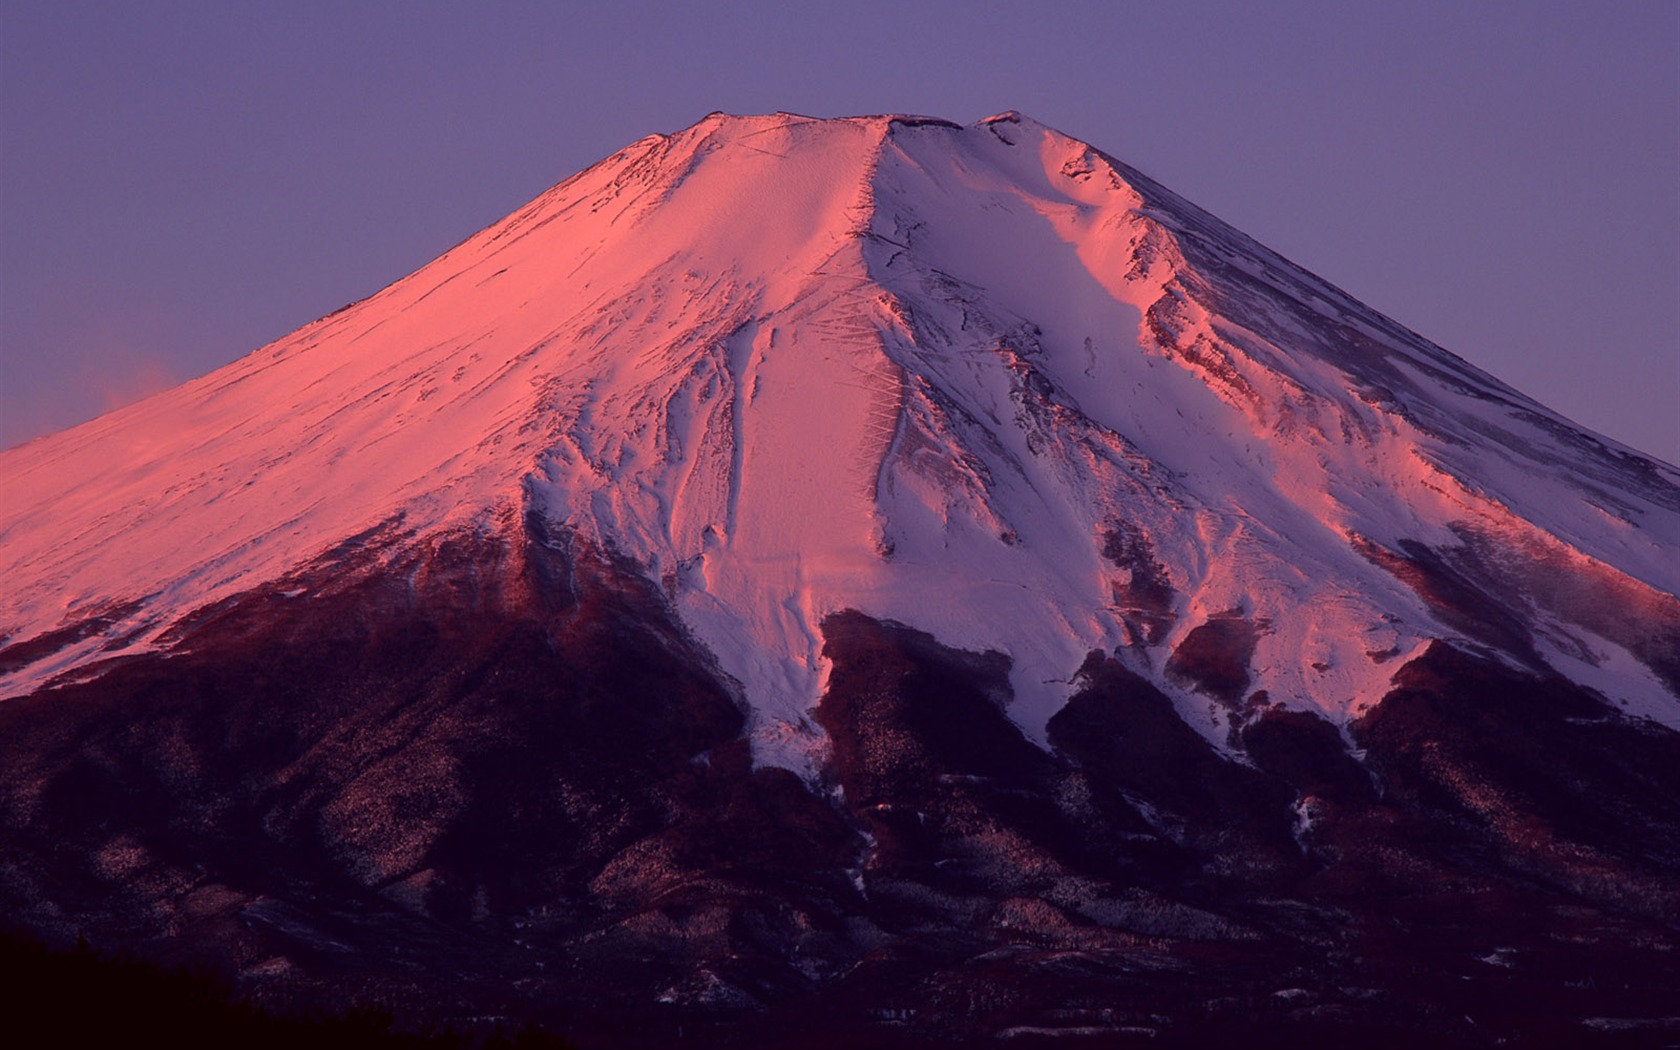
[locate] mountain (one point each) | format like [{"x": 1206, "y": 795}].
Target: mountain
[{"x": 880, "y": 577}]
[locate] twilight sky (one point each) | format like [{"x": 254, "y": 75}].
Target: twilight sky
[{"x": 181, "y": 183}]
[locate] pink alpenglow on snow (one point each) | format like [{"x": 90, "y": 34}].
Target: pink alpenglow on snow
[{"x": 983, "y": 381}]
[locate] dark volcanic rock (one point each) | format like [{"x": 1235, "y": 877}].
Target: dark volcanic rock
[
  {"x": 440, "y": 761},
  {"x": 1214, "y": 657},
  {"x": 1125, "y": 731},
  {"x": 1545, "y": 774},
  {"x": 1144, "y": 594},
  {"x": 962, "y": 811},
  {"x": 491, "y": 778}
]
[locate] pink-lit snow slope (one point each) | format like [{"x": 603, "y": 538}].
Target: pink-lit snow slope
[{"x": 985, "y": 381}]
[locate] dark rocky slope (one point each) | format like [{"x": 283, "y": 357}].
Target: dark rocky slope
[{"x": 489, "y": 779}]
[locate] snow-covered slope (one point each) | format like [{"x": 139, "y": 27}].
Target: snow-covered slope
[{"x": 984, "y": 381}]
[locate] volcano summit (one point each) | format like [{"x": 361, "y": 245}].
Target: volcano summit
[{"x": 880, "y": 576}]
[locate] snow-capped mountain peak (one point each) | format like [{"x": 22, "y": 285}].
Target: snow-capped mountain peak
[
  {"x": 1161, "y": 642},
  {"x": 984, "y": 381}
]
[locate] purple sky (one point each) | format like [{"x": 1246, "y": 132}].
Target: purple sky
[{"x": 183, "y": 182}]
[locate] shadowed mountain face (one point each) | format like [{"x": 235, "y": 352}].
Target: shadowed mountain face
[
  {"x": 497, "y": 778},
  {"x": 878, "y": 581}
]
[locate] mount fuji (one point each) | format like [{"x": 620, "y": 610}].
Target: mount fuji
[{"x": 913, "y": 582}]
